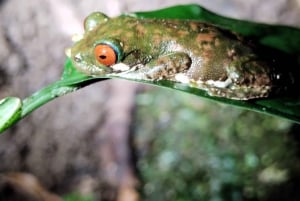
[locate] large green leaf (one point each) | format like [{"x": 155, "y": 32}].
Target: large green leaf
[{"x": 281, "y": 38}]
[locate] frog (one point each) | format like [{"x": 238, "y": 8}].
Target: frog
[{"x": 189, "y": 52}]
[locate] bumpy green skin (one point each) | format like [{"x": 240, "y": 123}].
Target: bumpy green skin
[{"x": 198, "y": 54}]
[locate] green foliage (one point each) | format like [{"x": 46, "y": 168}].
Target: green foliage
[
  {"x": 10, "y": 111},
  {"x": 196, "y": 150}
]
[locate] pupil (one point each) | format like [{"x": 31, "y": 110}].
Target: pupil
[{"x": 102, "y": 57}]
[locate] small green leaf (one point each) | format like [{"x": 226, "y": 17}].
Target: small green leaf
[{"x": 10, "y": 112}]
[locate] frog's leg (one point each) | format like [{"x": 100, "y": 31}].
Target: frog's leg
[
  {"x": 247, "y": 78},
  {"x": 168, "y": 66},
  {"x": 165, "y": 67}
]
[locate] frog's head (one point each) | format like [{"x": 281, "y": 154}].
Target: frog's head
[{"x": 94, "y": 53}]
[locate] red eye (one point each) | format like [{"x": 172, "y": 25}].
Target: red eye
[{"x": 105, "y": 54}]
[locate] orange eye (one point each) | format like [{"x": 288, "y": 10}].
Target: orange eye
[{"x": 105, "y": 54}]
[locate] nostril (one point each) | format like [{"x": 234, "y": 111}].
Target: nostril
[{"x": 77, "y": 58}]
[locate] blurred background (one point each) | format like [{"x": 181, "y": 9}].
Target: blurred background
[{"x": 118, "y": 140}]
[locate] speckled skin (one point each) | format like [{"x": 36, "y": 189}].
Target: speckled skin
[{"x": 191, "y": 52}]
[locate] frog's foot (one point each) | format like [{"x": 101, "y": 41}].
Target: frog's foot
[
  {"x": 238, "y": 92},
  {"x": 168, "y": 66},
  {"x": 226, "y": 88}
]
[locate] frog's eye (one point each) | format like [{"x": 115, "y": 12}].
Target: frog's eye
[
  {"x": 105, "y": 54},
  {"x": 108, "y": 52}
]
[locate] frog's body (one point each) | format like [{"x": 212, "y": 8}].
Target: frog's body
[{"x": 191, "y": 52}]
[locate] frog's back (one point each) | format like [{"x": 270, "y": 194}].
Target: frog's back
[{"x": 209, "y": 47}]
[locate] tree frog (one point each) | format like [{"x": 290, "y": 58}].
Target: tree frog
[{"x": 194, "y": 53}]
